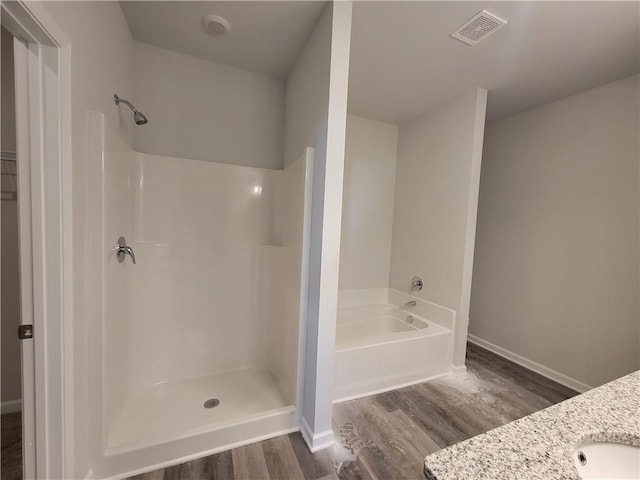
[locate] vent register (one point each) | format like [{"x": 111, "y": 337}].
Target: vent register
[{"x": 478, "y": 27}]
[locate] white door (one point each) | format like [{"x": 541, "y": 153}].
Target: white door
[{"x": 21, "y": 57}]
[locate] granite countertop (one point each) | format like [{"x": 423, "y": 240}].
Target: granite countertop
[{"x": 540, "y": 445}]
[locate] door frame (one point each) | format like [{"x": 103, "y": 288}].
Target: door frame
[{"x": 43, "y": 127}]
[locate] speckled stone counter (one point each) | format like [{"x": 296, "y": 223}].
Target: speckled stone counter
[{"x": 540, "y": 446}]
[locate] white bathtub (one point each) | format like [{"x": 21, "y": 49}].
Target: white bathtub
[{"x": 378, "y": 348}]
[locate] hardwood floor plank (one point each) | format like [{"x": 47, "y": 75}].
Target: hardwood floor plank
[
  {"x": 418, "y": 439},
  {"x": 484, "y": 404},
  {"x": 465, "y": 408},
  {"x": 213, "y": 467},
  {"x": 331, "y": 476},
  {"x": 533, "y": 382},
  {"x": 354, "y": 470},
  {"x": 437, "y": 422},
  {"x": 11, "y": 446},
  {"x": 518, "y": 400},
  {"x": 313, "y": 465},
  {"x": 381, "y": 443},
  {"x": 281, "y": 459},
  {"x": 155, "y": 475},
  {"x": 249, "y": 463}
]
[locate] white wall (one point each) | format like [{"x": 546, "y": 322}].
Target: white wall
[
  {"x": 367, "y": 203},
  {"x": 101, "y": 65},
  {"x": 435, "y": 206},
  {"x": 315, "y": 115},
  {"x": 10, "y": 282},
  {"x": 204, "y": 110},
  {"x": 556, "y": 271}
]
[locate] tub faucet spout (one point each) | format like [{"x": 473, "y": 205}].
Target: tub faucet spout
[{"x": 411, "y": 303}]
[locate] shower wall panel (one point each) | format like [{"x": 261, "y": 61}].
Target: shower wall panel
[
  {"x": 110, "y": 354},
  {"x": 285, "y": 276},
  {"x": 198, "y": 229}
]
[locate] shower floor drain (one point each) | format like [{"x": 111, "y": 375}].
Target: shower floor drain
[{"x": 211, "y": 403}]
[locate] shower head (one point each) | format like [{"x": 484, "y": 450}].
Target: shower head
[{"x": 138, "y": 117}]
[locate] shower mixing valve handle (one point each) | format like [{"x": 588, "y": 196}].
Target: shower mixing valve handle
[{"x": 122, "y": 250}]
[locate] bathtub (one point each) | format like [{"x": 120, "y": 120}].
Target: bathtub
[{"x": 381, "y": 345}]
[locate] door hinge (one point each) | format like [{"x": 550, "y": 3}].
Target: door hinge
[{"x": 25, "y": 331}]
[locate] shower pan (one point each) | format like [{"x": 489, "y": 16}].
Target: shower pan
[{"x": 197, "y": 344}]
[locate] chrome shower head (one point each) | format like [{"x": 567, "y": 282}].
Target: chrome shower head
[{"x": 138, "y": 117}]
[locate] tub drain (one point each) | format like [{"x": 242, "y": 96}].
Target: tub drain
[{"x": 211, "y": 403}]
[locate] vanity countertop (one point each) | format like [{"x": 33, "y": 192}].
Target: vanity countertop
[{"x": 540, "y": 445}]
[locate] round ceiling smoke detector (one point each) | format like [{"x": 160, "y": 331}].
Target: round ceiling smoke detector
[{"x": 216, "y": 25}]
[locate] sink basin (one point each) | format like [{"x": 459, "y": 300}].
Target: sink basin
[{"x": 604, "y": 460}]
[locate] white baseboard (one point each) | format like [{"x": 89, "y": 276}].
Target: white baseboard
[
  {"x": 11, "y": 406},
  {"x": 458, "y": 369},
  {"x": 317, "y": 441},
  {"x": 554, "y": 375}
]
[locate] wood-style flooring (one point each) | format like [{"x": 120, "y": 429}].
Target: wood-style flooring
[
  {"x": 385, "y": 436},
  {"x": 11, "y": 452}
]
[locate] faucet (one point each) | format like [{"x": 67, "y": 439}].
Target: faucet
[
  {"x": 416, "y": 284},
  {"x": 122, "y": 250},
  {"x": 411, "y": 303}
]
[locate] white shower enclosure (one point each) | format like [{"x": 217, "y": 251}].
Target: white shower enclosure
[{"x": 195, "y": 347}]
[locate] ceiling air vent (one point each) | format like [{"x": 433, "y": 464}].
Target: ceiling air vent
[{"x": 478, "y": 27}]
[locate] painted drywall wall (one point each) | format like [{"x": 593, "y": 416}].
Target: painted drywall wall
[
  {"x": 556, "y": 270},
  {"x": 10, "y": 281},
  {"x": 367, "y": 203},
  {"x": 315, "y": 115},
  {"x": 203, "y": 110},
  {"x": 101, "y": 65},
  {"x": 436, "y": 191},
  {"x": 306, "y": 110}
]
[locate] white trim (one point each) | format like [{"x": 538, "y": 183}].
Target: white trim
[
  {"x": 11, "y": 406},
  {"x": 23, "y": 146},
  {"x": 318, "y": 441},
  {"x": 458, "y": 370},
  {"x": 44, "y": 106},
  {"x": 309, "y": 153},
  {"x": 551, "y": 374}
]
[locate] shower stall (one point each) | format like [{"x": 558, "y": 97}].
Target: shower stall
[{"x": 200, "y": 337}]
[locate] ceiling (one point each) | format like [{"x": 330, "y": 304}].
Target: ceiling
[
  {"x": 265, "y": 37},
  {"x": 403, "y": 61}
]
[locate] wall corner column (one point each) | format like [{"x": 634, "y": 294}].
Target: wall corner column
[{"x": 462, "y": 314}]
